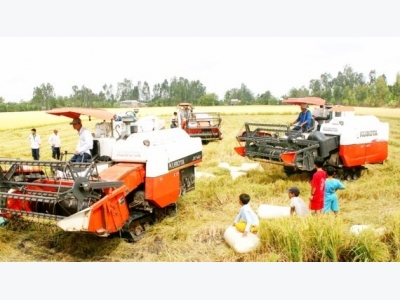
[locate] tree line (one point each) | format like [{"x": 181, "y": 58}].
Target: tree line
[{"x": 347, "y": 88}]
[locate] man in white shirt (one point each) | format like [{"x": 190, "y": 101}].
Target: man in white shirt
[
  {"x": 297, "y": 205},
  {"x": 85, "y": 143},
  {"x": 184, "y": 115},
  {"x": 35, "y": 141},
  {"x": 55, "y": 143}
]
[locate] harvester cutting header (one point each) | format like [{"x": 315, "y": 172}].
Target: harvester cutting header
[
  {"x": 345, "y": 141},
  {"x": 136, "y": 175}
]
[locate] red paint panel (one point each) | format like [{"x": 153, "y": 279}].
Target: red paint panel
[
  {"x": 18, "y": 204},
  {"x": 288, "y": 157},
  {"x": 163, "y": 190},
  {"x": 193, "y": 131},
  {"x": 110, "y": 213},
  {"x": 130, "y": 173},
  {"x": 352, "y": 155},
  {"x": 240, "y": 151},
  {"x": 358, "y": 155},
  {"x": 376, "y": 152}
]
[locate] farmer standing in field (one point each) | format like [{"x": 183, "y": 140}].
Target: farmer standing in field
[
  {"x": 318, "y": 186},
  {"x": 331, "y": 202},
  {"x": 55, "y": 143},
  {"x": 35, "y": 141}
]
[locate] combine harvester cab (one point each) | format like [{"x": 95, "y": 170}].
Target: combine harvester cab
[
  {"x": 205, "y": 125},
  {"x": 345, "y": 141},
  {"x": 139, "y": 183}
]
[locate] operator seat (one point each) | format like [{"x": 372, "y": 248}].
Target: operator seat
[
  {"x": 312, "y": 126},
  {"x": 95, "y": 151}
]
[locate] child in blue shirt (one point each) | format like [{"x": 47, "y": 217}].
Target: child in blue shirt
[
  {"x": 246, "y": 221},
  {"x": 331, "y": 202}
]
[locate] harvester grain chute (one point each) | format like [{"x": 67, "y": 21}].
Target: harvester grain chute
[
  {"x": 139, "y": 183},
  {"x": 345, "y": 141}
]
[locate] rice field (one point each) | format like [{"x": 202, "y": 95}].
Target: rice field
[{"x": 195, "y": 234}]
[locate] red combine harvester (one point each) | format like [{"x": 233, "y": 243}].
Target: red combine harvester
[
  {"x": 205, "y": 125},
  {"x": 135, "y": 178},
  {"x": 346, "y": 142}
]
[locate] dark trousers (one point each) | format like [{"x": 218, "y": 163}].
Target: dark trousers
[
  {"x": 80, "y": 158},
  {"x": 302, "y": 129},
  {"x": 35, "y": 154},
  {"x": 55, "y": 152}
]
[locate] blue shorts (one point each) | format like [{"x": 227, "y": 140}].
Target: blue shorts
[{"x": 331, "y": 205}]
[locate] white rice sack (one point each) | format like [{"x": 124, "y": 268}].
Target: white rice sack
[
  {"x": 235, "y": 174},
  {"x": 356, "y": 229},
  {"x": 224, "y": 165},
  {"x": 238, "y": 242},
  {"x": 251, "y": 166},
  {"x": 204, "y": 175},
  {"x": 235, "y": 169},
  {"x": 266, "y": 211}
]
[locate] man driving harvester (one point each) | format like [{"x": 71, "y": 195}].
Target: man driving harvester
[
  {"x": 304, "y": 119},
  {"x": 85, "y": 142}
]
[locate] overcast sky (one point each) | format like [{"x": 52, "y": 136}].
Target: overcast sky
[
  {"x": 64, "y": 44},
  {"x": 273, "y": 64}
]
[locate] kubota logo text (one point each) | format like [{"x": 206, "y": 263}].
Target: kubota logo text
[{"x": 368, "y": 133}]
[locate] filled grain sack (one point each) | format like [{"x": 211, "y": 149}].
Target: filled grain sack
[
  {"x": 357, "y": 229},
  {"x": 238, "y": 242},
  {"x": 267, "y": 211}
]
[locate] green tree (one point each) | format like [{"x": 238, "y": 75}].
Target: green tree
[
  {"x": 361, "y": 94},
  {"x": 208, "y": 100},
  {"x": 299, "y": 93},
  {"x": 396, "y": 91},
  {"x": 145, "y": 92},
  {"x": 266, "y": 98},
  {"x": 43, "y": 96},
  {"x": 126, "y": 90},
  {"x": 381, "y": 91},
  {"x": 243, "y": 94}
]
